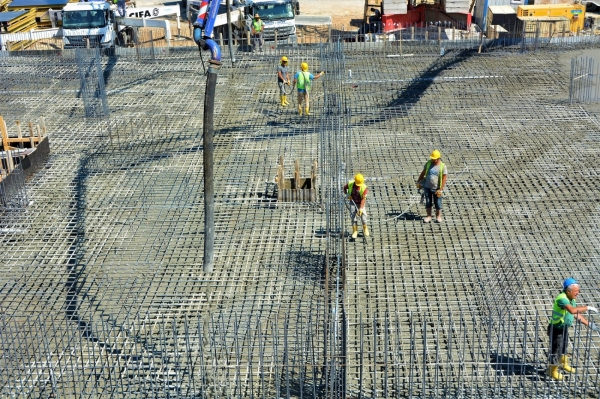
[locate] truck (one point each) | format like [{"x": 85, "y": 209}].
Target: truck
[
  {"x": 96, "y": 24},
  {"x": 277, "y": 15}
]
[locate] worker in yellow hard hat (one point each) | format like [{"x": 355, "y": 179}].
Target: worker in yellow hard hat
[
  {"x": 257, "y": 28},
  {"x": 433, "y": 180},
  {"x": 283, "y": 78},
  {"x": 304, "y": 81},
  {"x": 356, "y": 190}
]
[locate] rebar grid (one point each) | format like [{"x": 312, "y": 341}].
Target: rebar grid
[{"x": 111, "y": 239}]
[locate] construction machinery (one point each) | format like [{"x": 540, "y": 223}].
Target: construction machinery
[
  {"x": 96, "y": 24},
  {"x": 277, "y": 15}
]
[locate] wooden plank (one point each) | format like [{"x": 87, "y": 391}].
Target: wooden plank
[{"x": 4, "y": 133}]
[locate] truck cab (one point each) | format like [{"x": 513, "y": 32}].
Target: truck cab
[
  {"x": 88, "y": 24},
  {"x": 277, "y": 15}
]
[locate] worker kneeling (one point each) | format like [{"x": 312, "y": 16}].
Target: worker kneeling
[
  {"x": 564, "y": 312},
  {"x": 356, "y": 190}
]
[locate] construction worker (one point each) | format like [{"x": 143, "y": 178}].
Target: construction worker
[
  {"x": 257, "y": 27},
  {"x": 564, "y": 312},
  {"x": 433, "y": 180},
  {"x": 121, "y": 7},
  {"x": 283, "y": 77},
  {"x": 304, "y": 82},
  {"x": 356, "y": 190}
]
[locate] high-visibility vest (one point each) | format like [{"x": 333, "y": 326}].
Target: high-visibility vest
[
  {"x": 257, "y": 25},
  {"x": 428, "y": 166},
  {"x": 361, "y": 189},
  {"x": 558, "y": 314},
  {"x": 304, "y": 83}
]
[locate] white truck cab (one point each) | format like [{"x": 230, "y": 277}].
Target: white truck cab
[
  {"x": 88, "y": 24},
  {"x": 277, "y": 15}
]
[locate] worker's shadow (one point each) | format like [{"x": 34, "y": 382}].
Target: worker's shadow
[
  {"x": 406, "y": 216},
  {"x": 507, "y": 365}
]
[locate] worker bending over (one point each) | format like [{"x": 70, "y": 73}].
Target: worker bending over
[
  {"x": 564, "y": 312},
  {"x": 283, "y": 78},
  {"x": 433, "y": 180},
  {"x": 356, "y": 190},
  {"x": 304, "y": 82}
]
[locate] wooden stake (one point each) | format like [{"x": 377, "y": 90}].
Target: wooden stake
[
  {"x": 19, "y": 134},
  {"x": 296, "y": 174},
  {"x": 31, "y": 135},
  {"x": 4, "y": 134},
  {"x": 43, "y": 124}
]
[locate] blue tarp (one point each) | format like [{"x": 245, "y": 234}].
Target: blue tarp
[
  {"x": 10, "y": 15},
  {"x": 38, "y": 3}
]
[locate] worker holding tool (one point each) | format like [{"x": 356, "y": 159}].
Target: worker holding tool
[
  {"x": 257, "y": 27},
  {"x": 564, "y": 312},
  {"x": 356, "y": 191},
  {"x": 433, "y": 180},
  {"x": 283, "y": 78},
  {"x": 304, "y": 82}
]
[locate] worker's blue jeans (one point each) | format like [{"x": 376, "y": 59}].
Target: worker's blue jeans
[{"x": 431, "y": 198}]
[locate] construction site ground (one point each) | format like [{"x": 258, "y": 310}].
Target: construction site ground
[{"x": 115, "y": 227}]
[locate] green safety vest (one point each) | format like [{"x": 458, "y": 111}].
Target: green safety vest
[
  {"x": 441, "y": 176},
  {"x": 361, "y": 189},
  {"x": 304, "y": 84},
  {"x": 558, "y": 314},
  {"x": 257, "y": 25}
]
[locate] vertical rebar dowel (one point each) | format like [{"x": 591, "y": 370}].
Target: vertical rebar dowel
[
  {"x": 361, "y": 357},
  {"x": 385, "y": 356},
  {"x": 209, "y": 185}
]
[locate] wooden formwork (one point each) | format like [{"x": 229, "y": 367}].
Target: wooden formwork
[
  {"x": 296, "y": 189},
  {"x": 29, "y": 151}
]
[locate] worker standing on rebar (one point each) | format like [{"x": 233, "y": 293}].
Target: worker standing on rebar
[
  {"x": 258, "y": 28},
  {"x": 303, "y": 82},
  {"x": 356, "y": 190},
  {"x": 283, "y": 78},
  {"x": 564, "y": 313},
  {"x": 433, "y": 180}
]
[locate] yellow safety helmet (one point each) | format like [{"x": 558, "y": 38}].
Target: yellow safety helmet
[
  {"x": 284, "y": 59},
  {"x": 435, "y": 154},
  {"x": 359, "y": 179},
  {"x": 304, "y": 66}
]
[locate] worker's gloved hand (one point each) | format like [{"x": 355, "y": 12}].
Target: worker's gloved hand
[
  {"x": 592, "y": 309},
  {"x": 419, "y": 185},
  {"x": 360, "y": 211},
  {"x": 438, "y": 193},
  {"x": 594, "y": 327},
  {"x": 322, "y": 73}
]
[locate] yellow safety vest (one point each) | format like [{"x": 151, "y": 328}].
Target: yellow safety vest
[{"x": 361, "y": 189}]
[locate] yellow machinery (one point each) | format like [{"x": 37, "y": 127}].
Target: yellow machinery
[{"x": 575, "y": 13}]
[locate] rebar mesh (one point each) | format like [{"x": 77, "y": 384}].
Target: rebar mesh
[{"x": 102, "y": 286}]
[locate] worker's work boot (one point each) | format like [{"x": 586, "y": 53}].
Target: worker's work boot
[
  {"x": 365, "y": 230},
  {"x": 564, "y": 361},
  {"x": 283, "y": 103},
  {"x": 299, "y": 110},
  {"x": 553, "y": 372},
  {"x": 354, "y": 232},
  {"x": 307, "y": 111},
  {"x": 428, "y": 218}
]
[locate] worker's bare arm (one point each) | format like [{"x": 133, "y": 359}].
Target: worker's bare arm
[
  {"x": 443, "y": 182},
  {"x": 576, "y": 310}
]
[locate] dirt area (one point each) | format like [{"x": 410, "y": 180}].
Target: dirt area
[{"x": 348, "y": 12}]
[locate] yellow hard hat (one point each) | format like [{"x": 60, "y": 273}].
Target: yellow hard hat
[
  {"x": 304, "y": 66},
  {"x": 359, "y": 179},
  {"x": 435, "y": 154},
  {"x": 284, "y": 59}
]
